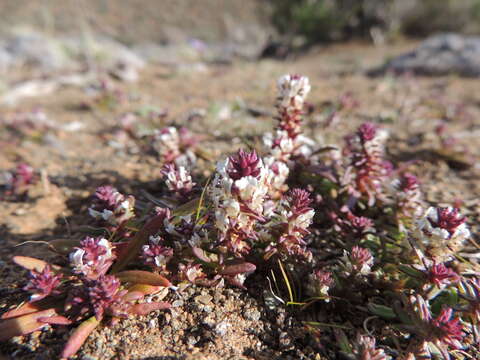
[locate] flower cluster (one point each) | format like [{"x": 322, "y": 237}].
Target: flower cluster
[
  {"x": 287, "y": 141},
  {"x": 319, "y": 283},
  {"x": 369, "y": 168},
  {"x": 112, "y": 206},
  {"x": 408, "y": 196},
  {"x": 104, "y": 295},
  {"x": 293, "y": 217},
  {"x": 441, "y": 232},
  {"x": 19, "y": 180},
  {"x": 365, "y": 349},
  {"x": 175, "y": 146},
  {"x": 444, "y": 331},
  {"x": 239, "y": 192},
  {"x": 358, "y": 261},
  {"x": 178, "y": 180},
  {"x": 155, "y": 254},
  {"x": 352, "y": 228},
  {"x": 93, "y": 258},
  {"x": 43, "y": 283},
  {"x": 440, "y": 275}
]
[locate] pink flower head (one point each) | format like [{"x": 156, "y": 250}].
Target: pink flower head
[
  {"x": 320, "y": 283},
  {"x": 359, "y": 224},
  {"x": 112, "y": 206},
  {"x": 155, "y": 254},
  {"x": 447, "y": 330},
  {"x": 367, "y": 131},
  {"x": 360, "y": 260},
  {"x": 299, "y": 201},
  {"x": 408, "y": 182},
  {"x": 178, "y": 179},
  {"x": 367, "y": 350},
  {"x": 19, "y": 179},
  {"x": 108, "y": 195},
  {"x": 448, "y": 219},
  {"x": 439, "y": 274},
  {"x": 43, "y": 283},
  {"x": 93, "y": 258},
  {"x": 104, "y": 293},
  {"x": 244, "y": 164}
]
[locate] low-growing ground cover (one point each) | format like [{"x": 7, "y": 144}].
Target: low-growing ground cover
[{"x": 321, "y": 227}]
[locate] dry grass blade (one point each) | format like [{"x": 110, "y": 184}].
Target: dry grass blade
[{"x": 287, "y": 282}]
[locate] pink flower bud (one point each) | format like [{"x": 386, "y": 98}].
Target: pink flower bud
[{"x": 243, "y": 164}]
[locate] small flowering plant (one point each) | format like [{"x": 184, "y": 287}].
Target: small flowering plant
[
  {"x": 349, "y": 233},
  {"x": 18, "y": 182},
  {"x": 112, "y": 207}
]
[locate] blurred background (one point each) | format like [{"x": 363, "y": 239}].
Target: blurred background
[{"x": 63, "y": 34}]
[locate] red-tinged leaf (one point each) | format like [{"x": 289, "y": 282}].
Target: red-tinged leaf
[
  {"x": 134, "y": 245},
  {"x": 29, "y": 263},
  {"x": 199, "y": 253},
  {"x": 132, "y": 296},
  {"x": 24, "y": 325},
  {"x": 145, "y": 308},
  {"x": 24, "y": 309},
  {"x": 138, "y": 291},
  {"x": 143, "y": 277},
  {"x": 78, "y": 337},
  {"x": 236, "y": 269},
  {"x": 121, "y": 249},
  {"x": 55, "y": 320},
  {"x": 145, "y": 289},
  {"x": 31, "y": 307}
]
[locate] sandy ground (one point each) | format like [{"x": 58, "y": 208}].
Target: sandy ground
[{"x": 228, "y": 105}]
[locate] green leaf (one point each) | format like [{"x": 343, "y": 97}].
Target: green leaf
[
  {"x": 342, "y": 341},
  {"x": 417, "y": 274},
  {"x": 188, "y": 208},
  {"x": 382, "y": 311}
]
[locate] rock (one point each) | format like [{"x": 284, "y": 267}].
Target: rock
[
  {"x": 439, "y": 55},
  {"x": 204, "y": 299},
  {"x": 252, "y": 314},
  {"x": 34, "y": 49}
]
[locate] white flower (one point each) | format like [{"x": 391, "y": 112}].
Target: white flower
[
  {"x": 105, "y": 214},
  {"x": 304, "y": 220},
  {"x": 168, "y": 137},
  {"x": 293, "y": 90},
  {"x": 284, "y": 146},
  {"x": 77, "y": 257},
  {"x": 428, "y": 233},
  {"x": 76, "y": 261}
]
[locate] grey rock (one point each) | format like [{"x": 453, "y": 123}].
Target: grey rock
[{"x": 439, "y": 55}]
